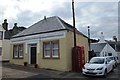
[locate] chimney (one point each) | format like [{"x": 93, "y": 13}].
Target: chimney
[
  {"x": 44, "y": 17},
  {"x": 114, "y": 38},
  {"x": 15, "y": 24},
  {"x": 102, "y": 39},
  {"x": 5, "y": 24}
]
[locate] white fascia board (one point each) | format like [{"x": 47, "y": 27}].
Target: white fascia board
[
  {"x": 53, "y": 35},
  {"x": 38, "y": 37}
]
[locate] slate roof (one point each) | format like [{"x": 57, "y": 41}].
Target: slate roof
[
  {"x": 118, "y": 46},
  {"x": 98, "y": 47},
  {"x": 16, "y": 30},
  {"x": 7, "y": 35},
  {"x": 47, "y": 25},
  {"x": 112, "y": 44}
]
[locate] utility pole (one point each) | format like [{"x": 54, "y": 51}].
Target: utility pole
[
  {"x": 74, "y": 23},
  {"x": 89, "y": 37},
  {"x": 89, "y": 42}
]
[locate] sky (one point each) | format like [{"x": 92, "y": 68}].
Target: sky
[{"x": 101, "y": 16}]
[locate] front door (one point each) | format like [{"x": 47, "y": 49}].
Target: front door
[{"x": 33, "y": 55}]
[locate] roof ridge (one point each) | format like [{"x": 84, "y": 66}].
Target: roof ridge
[{"x": 60, "y": 22}]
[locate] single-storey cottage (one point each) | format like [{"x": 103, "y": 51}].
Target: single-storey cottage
[{"x": 47, "y": 43}]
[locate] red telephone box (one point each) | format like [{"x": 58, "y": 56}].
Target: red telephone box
[{"x": 78, "y": 58}]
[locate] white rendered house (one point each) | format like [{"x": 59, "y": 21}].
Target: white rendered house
[{"x": 103, "y": 47}]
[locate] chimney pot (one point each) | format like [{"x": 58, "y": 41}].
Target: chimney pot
[
  {"x": 5, "y": 24},
  {"x": 15, "y": 24},
  {"x": 44, "y": 17},
  {"x": 5, "y": 21},
  {"x": 101, "y": 32}
]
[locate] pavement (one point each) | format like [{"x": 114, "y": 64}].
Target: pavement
[
  {"x": 19, "y": 68},
  {"x": 20, "y": 72}
]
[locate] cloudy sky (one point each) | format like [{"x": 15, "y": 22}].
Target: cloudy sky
[{"x": 100, "y": 16}]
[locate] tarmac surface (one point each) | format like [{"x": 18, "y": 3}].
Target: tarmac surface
[{"x": 19, "y": 72}]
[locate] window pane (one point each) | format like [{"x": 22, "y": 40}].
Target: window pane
[
  {"x": 109, "y": 54},
  {"x": 55, "y": 44},
  {"x": 47, "y": 53},
  {"x": 46, "y": 49},
  {"x": 20, "y": 51},
  {"x": 55, "y": 53},
  {"x": 47, "y": 45},
  {"x": 55, "y": 49},
  {"x": 16, "y": 51}
]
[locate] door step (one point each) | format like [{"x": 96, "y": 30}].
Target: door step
[{"x": 33, "y": 65}]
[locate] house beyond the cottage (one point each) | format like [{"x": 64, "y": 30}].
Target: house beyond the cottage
[
  {"x": 104, "y": 47},
  {"x": 5, "y": 36},
  {"x": 47, "y": 43},
  {"x": 4, "y": 42}
]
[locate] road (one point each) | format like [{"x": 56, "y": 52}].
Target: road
[{"x": 17, "y": 71}]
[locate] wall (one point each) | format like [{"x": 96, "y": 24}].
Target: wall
[
  {"x": 6, "y": 50},
  {"x": 108, "y": 49},
  {"x": 1, "y": 29},
  {"x": 80, "y": 41},
  {"x": 1, "y": 47},
  {"x": 57, "y": 64},
  {"x": 18, "y": 61},
  {"x": 118, "y": 54}
]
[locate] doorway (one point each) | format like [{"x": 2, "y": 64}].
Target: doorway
[{"x": 33, "y": 55}]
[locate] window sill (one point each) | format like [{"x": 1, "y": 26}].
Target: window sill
[
  {"x": 17, "y": 58},
  {"x": 56, "y": 58},
  {"x": 51, "y": 58}
]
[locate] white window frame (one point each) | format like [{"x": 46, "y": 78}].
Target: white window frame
[
  {"x": 46, "y": 49},
  {"x": 55, "y": 56},
  {"x": 51, "y": 48},
  {"x": 21, "y": 51},
  {"x": 17, "y": 51}
]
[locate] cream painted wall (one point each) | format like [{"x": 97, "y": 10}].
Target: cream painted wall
[
  {"x": 83, "y": 41},
  {"x": 18, "y": 61},
  {"x": 6, "y": 50},
  {"x": 57, "y": 64},
  {"x": 65, "y": 61},
  {"x": 80, "y": 41}
]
